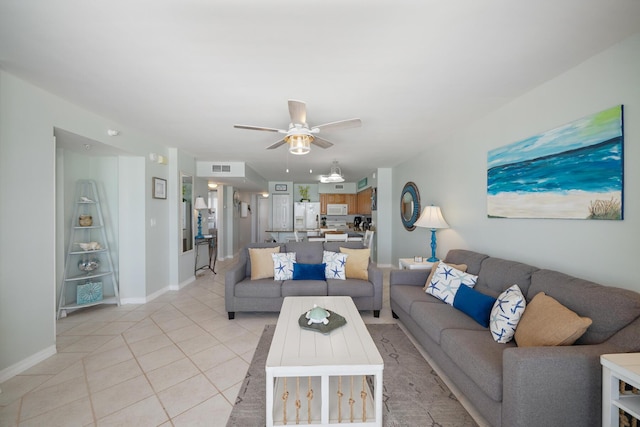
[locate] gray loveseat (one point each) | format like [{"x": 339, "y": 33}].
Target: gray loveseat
[
  {"x": 521, "y": 386},
  {"x": 244, "y": 294}
]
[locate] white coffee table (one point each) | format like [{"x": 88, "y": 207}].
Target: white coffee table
[{"x": 300, "y": 360}]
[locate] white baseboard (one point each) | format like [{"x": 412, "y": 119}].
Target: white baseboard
[
  {"x": 183, "y": 284},
  {"x": 156, "y": 294},
  {"x": 27, "y": 363}
]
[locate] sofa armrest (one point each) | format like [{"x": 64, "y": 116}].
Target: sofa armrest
[
  {"x": 408, "y": 277},
  {"x": 234, "y": 275},
  {"x": 376, "y": 278},
  {"x": 550, "y": 385}
]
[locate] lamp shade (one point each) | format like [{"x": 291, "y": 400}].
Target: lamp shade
[
  {"x": 200, "y": 204},
  {"x": 431, "y": 217}
]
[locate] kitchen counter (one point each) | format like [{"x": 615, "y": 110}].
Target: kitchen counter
[{"x": 282, "y": 235}]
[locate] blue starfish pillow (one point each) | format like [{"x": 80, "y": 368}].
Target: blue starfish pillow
[
  {"x": 336, "y": 265},
  {"x": 283, "y": 265},
  {"x": 506, "y": 314},
  {"x": 446, "y": 281}
]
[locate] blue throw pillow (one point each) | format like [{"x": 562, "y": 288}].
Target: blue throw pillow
[
  {"x": 308, "y": 271},
  {"x": 475, "y": 304}
]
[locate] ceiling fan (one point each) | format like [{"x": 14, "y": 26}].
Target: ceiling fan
[{"x": 300, "y": 136}]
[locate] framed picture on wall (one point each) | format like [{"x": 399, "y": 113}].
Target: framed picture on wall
[
  {"x": 281, "y": 187},
  {"x": 159, "y": 188}
]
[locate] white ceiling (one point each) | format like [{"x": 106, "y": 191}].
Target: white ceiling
[{"x": 188, "y": 70}]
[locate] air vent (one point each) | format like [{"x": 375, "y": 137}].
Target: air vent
[
  {"x": 339, "y": 186},
  {"x": 220, "y": 168}
]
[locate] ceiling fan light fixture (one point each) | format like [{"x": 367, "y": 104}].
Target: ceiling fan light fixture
[{"x": 299, "y": 144}]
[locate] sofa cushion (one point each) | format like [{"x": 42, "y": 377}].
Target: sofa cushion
[
  {"x": 463, "y": 256},
  {"x": 260, "y": 288},
  {"x": 497, "y": 275},
  {"x": 335, "y": 246},
  {"x": 434, "y": 267},
  {"x": 283, "y": 265},
  {"x": 306, "y": 252},
  {"x": 291, "y": 288},
  {"x": 547, "y": 322},
  {"x": 308, "y": 271},
  {"x": 350, "y": 287},
  {"x": 438, "y": 317},
  {"x": 446, "y": 281},
  {"x": 357, "y": 263},
  {"x": 474, "y": 304},
  {"x": 336, "y": 265},
  {"x": 405, "y": 295},
  {"x": 261, "y": 262},
  {"x": 609, "y": 308},
  {"x": 506, "y": 313},
  {"x": 478, "y": 356}
]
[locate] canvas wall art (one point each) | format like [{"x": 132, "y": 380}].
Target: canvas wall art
[{"x": 574, "y": 172}]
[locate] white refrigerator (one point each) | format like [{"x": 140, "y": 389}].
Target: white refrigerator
[{"x": 306, "y": 215}]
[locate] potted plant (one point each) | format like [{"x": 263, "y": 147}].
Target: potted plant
[{"x": 304, "y": 193}]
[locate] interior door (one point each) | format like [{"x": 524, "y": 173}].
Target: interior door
[
  {"x": 263, "y": 219},
  {"x": 281, "y": 218}
]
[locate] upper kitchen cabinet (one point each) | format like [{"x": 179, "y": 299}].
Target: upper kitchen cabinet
[
  {"x": 352, "y": 202},
  {"x": 364, "y": 201}
]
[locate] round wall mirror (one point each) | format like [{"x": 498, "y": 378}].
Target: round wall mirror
[{"x": 409, "y": 205}]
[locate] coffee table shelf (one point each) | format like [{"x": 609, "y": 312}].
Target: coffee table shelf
[{"x": 332, "y": 361}]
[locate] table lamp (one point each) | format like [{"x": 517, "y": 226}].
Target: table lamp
[
  {"x": 200, "y": 204},
  {"x": 432, "y": 218}
]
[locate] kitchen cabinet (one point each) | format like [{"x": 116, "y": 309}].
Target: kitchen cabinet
[
  {"x": 358, "y": 204},
  {"x": 352, "y": 203},
  {"x": 364, "y": 201},
  {"x": 351, "y": 200}
]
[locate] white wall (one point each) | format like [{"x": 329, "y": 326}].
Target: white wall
[
  {"x": 28, "y": 116},
  {"x": 452, "y": 174}
]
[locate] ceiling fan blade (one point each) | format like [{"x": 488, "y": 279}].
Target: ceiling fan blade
[
  {"x": 341, "y": 124},
  {"x": 276, "y": 144},
  {"x": 257, "y": 128},
  {"x": 322, "y": 143},
  {"x": 297, "y": 111}
]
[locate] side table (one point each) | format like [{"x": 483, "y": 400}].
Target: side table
[
  {"x": 410, "y": 264},
  {"x": 210, "y": 241},
  {"x": 615, "y": 368}
]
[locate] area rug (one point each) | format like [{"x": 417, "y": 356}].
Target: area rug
[{"x": 413, "y": 394}]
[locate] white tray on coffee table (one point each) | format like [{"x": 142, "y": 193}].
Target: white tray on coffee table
[{"x": 302, "y": 359}]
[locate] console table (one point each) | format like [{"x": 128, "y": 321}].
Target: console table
[
  {"x": 615, "y": 368},
  {"x": 210, "y": 241}
]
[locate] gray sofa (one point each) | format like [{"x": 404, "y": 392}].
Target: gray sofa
[
  {"x": 521, "y": 386},
  {"x": 244, "y": 294}
]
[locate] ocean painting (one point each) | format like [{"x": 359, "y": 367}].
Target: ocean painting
[{"x": 572, "y": 172}]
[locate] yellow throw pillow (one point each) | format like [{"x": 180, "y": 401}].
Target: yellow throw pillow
[
  {"x": 461, "y": 267},
  {"x": 547, "y": 322},
  {"x": 357, "y": 263},
  {"x": 262, "y": 262}
]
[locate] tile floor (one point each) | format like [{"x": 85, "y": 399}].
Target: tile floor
[{"x": 175, "y": 361}]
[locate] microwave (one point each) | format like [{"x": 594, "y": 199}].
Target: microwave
[{"x": 337, "y": 209}]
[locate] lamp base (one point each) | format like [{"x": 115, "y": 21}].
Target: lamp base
[
  {"x": 199, "y": 235},
  {"x": 433, "y": 246}
]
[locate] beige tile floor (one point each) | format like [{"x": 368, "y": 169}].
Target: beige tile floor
[{"x": 175, "y": 361}]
